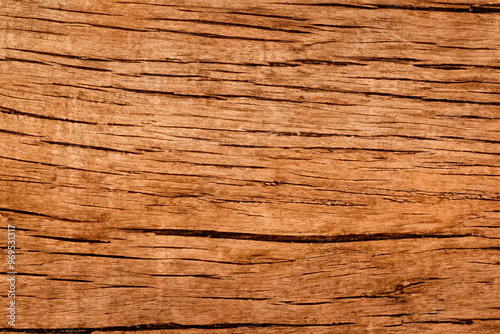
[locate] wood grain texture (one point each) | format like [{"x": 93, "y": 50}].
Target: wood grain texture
[{"x": 251, "y": 166}]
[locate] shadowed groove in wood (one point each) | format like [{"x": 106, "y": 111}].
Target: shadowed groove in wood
[
  {"x": 297, "y": 238},
  {"x": 147, "y": 327}
]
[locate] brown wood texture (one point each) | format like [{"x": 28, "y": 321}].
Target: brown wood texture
[{"x": 251, "y": 166}]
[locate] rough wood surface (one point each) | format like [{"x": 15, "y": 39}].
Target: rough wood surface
[{"x": 251, "y": 166}]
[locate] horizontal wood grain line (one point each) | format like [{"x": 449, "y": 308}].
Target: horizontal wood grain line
[
  {"x": 148, "y": 327},
  {"x": 11, "y": 111},
  {"x": 91, "y": 241},
  {"x": 453, "y": 8},
  {"x": 296, "y": 238},
  {"x": 30, "y": 213},
  {"x": 150, "y": 29},
  {"x": 229, "y": 24},
  {"x": 91, "y": 147},
  {"x": 75, "y": 11}
]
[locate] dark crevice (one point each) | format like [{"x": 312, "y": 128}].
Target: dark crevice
[
  {"x": 213, "y": 165},
  {"x": 26, "y": 274},
  {"x": 453, "y": 321},
  {"x": 230, "y": 24},
  {"x": 91, "y": 147},
  {"x": 187, "y": 275},
  {"x": 53, "y": 54},
  {"x": 71, "y": 280},
  {"x": 270, "y": 16},
  {"x": 127, "y": 286},
  {"x": 455, "y": 66},
  {"x": 103, "y": 256},
  {"x": 20, "y": 113},
  {"x": 36, "y": 214},
  {"x": 84, "y": 67},
  {"x": 342, "y": 26},
  {"x": 233, "y": 298},
  {"x": 327, "y": 62},
  {"x": 87, "y": 24},
  {"x": 296, "y": 238},
  {"x": 70, "y": 239},
  {"x": 75, "y": 11},
  {"x": 24, "y": 61},
  {"x": 459, "y": 9},
  {"x": 174, "y": 75},
  {"x": 171, "y": 325},
  {"x": 17, "y": 133}
]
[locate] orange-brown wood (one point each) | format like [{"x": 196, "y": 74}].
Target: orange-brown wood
[{"x": 251, "y": 166}]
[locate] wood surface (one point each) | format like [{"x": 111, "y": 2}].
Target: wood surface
[{"x": 251, "y": 166}]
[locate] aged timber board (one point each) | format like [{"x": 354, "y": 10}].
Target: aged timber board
[{"x": 250, "y": 166}]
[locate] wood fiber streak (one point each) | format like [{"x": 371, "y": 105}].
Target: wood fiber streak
[{"x": 251, "y": 166}]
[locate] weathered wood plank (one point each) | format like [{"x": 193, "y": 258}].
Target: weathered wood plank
[{"x": 251, "y": 166}]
